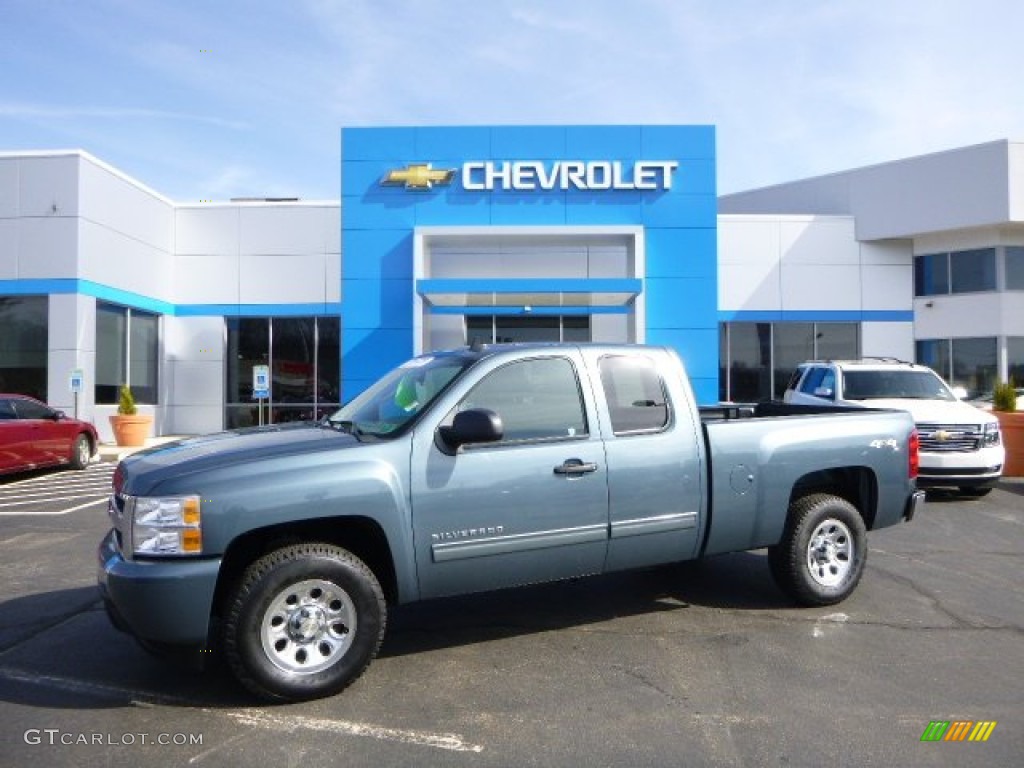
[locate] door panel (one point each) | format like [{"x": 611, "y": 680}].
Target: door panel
[{"x": 531, "y": 508}]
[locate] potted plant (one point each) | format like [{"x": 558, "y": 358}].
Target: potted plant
[
  {"x": 131, "y": 428},
  {"x": 1011, "y": 424}
]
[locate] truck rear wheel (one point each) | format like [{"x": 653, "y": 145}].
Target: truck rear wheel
[
  {"x": 303, "y": 622},
  {"x": 823, "y": 550}
]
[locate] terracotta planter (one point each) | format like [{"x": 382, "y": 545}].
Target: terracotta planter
[
  {"x": 1012, "y": 426},
  {"x": 131, "y": 430}
]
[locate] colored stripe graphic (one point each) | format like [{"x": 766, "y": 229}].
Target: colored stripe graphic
[
  {"x": 982, "y": 731},
  {"x": 958, "y": 730}
]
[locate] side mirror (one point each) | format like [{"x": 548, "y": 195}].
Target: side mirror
[
  {"x": 58, "y": 415},
  {"x": 477, "y": 425},
  {"x": 960, "y": 393}
]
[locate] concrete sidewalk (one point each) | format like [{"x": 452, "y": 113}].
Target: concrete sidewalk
[{"x": 111, "y": 452}]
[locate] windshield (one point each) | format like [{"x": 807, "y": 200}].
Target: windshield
[
  {"x": 904, "y": 385},
  {"x": 393, "y": 402}
]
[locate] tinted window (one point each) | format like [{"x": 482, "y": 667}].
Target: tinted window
[
  {"x": 812, "y": 381},
  {"x": 7, "y": 410},
  {"x": 972, "y": 271},
  {"x": 636, "y": 397},
  {"x": 1014, "y": 268},
  {"x": 534, "y": 398},
  {"x": 931, "y": 274},
  {"x": 24, "y": 341},
  {"x": 28, "y": 409}
]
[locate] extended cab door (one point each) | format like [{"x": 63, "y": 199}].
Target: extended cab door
[
  {"x": 653, "y": 444},
  {"x": 532, "y": 507}
]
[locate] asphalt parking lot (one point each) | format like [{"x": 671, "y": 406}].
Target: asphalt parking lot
[{"x": 699, "y": 664}]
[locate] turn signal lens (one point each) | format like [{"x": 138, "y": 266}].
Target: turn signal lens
[{"x": 914, "y": 457}]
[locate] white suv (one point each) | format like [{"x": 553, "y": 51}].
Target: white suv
[{"x": 960, "y": 444}]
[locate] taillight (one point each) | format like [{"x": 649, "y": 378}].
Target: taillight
[{"x": 913, "y": 458}]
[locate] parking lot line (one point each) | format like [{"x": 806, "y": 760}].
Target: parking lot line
[{"x": 56, "y": 494}]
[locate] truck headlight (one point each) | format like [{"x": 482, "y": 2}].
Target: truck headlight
[
  {"x": 166, "y": 525},
  {"x": 991, "y": 434}
]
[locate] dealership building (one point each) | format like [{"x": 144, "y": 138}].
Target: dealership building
[{"x": 446, "y": 235}]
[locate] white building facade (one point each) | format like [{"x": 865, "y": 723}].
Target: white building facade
[{"x": 919, "y": 259}]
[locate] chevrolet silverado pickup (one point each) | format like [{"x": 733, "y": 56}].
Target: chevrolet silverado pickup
[{"x": 282, "y": 547}]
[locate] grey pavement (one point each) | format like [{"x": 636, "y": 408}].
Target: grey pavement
[{"x": 698, "y": 664}]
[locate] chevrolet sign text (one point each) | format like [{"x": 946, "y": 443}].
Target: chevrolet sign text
[{"x": 568, "y": 174}]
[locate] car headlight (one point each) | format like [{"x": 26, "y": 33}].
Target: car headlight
[
  {"x": 166, "y": 525},
  {"x": 991, "y": 434}
]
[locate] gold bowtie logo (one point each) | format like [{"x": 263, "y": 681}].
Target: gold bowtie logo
[{"x": 418, "y": 176}]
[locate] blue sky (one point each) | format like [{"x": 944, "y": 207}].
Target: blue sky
[{"x": 224, "y": 98}]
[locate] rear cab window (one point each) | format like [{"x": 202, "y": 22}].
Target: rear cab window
[{"x": 635, "y": 394}]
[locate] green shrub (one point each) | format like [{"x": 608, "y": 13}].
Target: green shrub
[
  {"x": 1004, "y": 397},
  {"x": 126, "y": 406}
]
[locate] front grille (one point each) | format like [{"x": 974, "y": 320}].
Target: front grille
[{"x": 950, "y": 438}]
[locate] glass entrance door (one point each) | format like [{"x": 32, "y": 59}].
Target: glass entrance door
[{"x": 514, "y": 328}]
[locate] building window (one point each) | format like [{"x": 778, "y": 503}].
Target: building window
[
  {"x": 24, "y": 345},
  {"x": 1015, "y": 359},
  {"x": 304, "y": 358},
  {"x": 756, "y": 360},
  {"x": 127, "y": 352},
  {"x": 931, "y": 274},
  {"x": 490, "y": 329},
  {"x": 972, "y": 271},
  {"x": 1015, "y": 268},
  {"x": 968, "y": 363}
]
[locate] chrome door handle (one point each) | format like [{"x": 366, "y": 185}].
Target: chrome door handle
[{"x": 575, "y": 467}]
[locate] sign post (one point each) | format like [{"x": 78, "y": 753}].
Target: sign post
[
  {"x": 76, "y": 383},
  {"x": 261, "y": 388}
]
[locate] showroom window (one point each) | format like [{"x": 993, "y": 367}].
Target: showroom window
[
  {"x": 1015, "y": 268},
  {"x": 968, "y": 363},
  {"x": 1015, "y": 359},
  {"x": 756, "y": 360},
  {"x": 304, "y": 358},
  {"x": 127, "y": 352},
  {"x": 24, "y": 344},
  {"x": 971, "y": 271}
]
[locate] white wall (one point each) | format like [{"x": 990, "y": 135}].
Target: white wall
[
  {"x": 126, "y": 232},
  {"x": 192, "y": 380},
  {"x": 961, "y": 188},
  {"x": 258, "y": 253}
]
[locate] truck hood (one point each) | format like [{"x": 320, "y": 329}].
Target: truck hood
[
  {"x": 142, "y": 471},
  {"x": 934, "y": 411}
]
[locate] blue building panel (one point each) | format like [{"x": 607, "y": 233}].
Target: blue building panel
[
  {"x": 679, "y": 286},
  {"x": 678, "y": 252},
  {"x": 623, "y": 142}
]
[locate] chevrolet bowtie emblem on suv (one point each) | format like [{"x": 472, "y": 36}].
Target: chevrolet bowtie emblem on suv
[{"x": 419, "y": 176}]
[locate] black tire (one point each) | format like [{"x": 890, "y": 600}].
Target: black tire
[
  {"x": 81, "y": 452},
  {"x": 823, "y": 550},
  {"x": 303, "y": 622},
  {"x": 973, "y": 492}
]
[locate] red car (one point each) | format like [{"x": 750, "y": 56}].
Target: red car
[{"x": 33, "y": 435}]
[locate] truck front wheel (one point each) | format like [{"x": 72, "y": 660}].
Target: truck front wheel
[
  {"x": 823, "y": 550},
  {"x": 303, "y": 622}
]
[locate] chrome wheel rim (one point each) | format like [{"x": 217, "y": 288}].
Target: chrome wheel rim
[
  {"x": 84, "y": 454},
  {"x": 308, "y": 627},
  {"x": 830, "y": 553}
]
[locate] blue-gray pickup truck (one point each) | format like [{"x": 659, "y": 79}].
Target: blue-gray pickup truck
[{"x": 282, "y": 547}]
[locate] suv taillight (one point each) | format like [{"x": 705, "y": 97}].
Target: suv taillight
[{"x": 913, "y": 459}]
